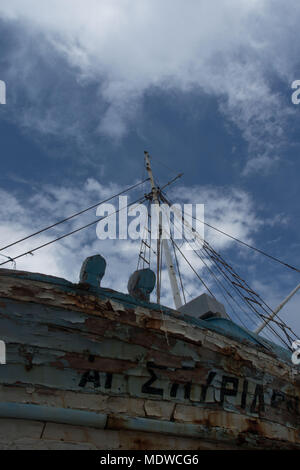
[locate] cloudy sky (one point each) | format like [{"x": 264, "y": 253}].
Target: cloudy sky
[{"x": 204, "y": 86}]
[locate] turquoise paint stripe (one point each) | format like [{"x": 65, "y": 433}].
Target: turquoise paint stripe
[
  {"x": 161, "y": 427},
  {"x": 51, "y": 414},
  {"x": 227, "y": 329}
]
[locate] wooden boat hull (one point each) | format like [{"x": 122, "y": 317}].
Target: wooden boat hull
[{"x": 94, "y": 369}]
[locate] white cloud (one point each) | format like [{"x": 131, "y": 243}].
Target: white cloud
[
  {"x": 63, "y": 258},
  {"x": 226, "y": 48},
  {"x": 232, "y": 210},
  {"x": 275, "y": 291}
]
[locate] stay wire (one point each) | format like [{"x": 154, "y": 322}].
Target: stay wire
[
  {"x": 247, "y": 244},
  {"x": 240, "y": 294},
  {"x": 178, "y": 270},
  {"x": 249, "y": 305},
  {"x": 193, "y": 269},
  {"x": 284, "y": 325},
  {"x": 219, "y": 284},
  {"x": 216, "y": 279},
  {"x": 73, "y": 215},
  {"x": 29, "y": 252}
]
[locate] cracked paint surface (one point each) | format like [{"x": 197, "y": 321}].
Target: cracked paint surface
[{"x": 84, "y": 356}]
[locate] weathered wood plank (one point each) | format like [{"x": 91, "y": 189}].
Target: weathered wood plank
[{"x": 74, "y": 350}]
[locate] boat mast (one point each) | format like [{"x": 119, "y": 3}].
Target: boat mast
[
  {"x": 164, "y": 244},
  {"x": 277, "y": 310}
]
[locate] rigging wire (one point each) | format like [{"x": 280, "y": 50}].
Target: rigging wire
[
  {"x": 252, "y": 292},
  {"x": 206, "y": 249},
  {"x": 139, "y": 201},
  {"x": 171, "y": 182},
  {"x": 219, "y": 284},
  {"x": 11, "y": 260},
  {"x": 283, "y": 324},
  {"x": 235, "y": 274},
  {"x": 193, "y": 269},
  {"x": 144, "y": 245},
  {"x": 248, "y": 304},
  {"x": 178, "y": 270},
  {"x": 212, "y": 274},
  {"x": 239, "y": 293},
  {"x": 156, "y": 160},
  {"x": 236, "y": 289},
  {"x": 252, "y": 308},
  {"x": 73, "y": 215},
  {"x": 245, "y": 243}
]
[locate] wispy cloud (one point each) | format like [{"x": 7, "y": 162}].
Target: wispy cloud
[
  {"x": 231, "y": 210},
  {"x": 231, "y": 49}
]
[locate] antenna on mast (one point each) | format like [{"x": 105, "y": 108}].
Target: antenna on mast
[{"x": 162, "y": 243}]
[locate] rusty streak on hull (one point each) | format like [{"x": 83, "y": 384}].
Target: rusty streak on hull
[{"x": 105, "y": 371}]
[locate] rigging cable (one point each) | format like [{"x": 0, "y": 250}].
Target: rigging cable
[
  {"x": 232, "y": 272},
  {"x": 249, "y": 305},
  {"x": 237, "y": 290},
  {"x": 178, "y": 270},
  {"x": 252, "y": 308},
  {"x": 139, "y": 201},
  {"x": 219, "y": 284},
  {"x": 193, "y": 269},
  {"x": 244, "y": 243},
  {"x": 74, "y": 215}
]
